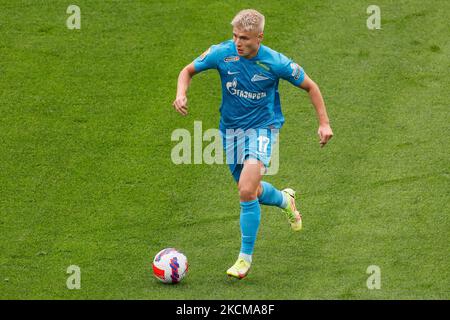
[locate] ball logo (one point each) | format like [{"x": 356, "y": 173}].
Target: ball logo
[{"x": 174, "y": 265}]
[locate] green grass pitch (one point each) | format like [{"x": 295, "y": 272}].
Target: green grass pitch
[{"x": 86, "y": 176}]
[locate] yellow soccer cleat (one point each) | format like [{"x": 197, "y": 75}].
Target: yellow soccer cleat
[
  {"x": 291, "y": 212},
  {"x": 240, "y": 269}
]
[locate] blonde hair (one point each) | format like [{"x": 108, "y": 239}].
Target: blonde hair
[{"x": 249, "y": 20}]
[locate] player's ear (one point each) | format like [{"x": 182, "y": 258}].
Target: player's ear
[{"x": 261, "y": 36}]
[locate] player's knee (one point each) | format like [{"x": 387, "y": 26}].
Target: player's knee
[{"x": 247, "y": 193}]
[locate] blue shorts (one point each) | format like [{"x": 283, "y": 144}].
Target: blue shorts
[{"x": 240, "y": 145}]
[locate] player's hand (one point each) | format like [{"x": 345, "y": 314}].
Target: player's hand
[
  {"x": 180, "y": 105},
  {"x": 325, "y": 134}
]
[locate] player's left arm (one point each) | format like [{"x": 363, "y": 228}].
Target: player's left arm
[
  {"x": 292, "y": 72},
  {"x": 325, "y": 133}
]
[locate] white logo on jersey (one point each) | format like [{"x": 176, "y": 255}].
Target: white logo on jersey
[
  {"x": 231, "y": 59},
  {"x": 204, "y": 54},
  {"x": 296, "y": 70},
  {"x": 229, "y": 72},
  {"x": 231, "y": 87},
  {"x": 258, "y": 77}
]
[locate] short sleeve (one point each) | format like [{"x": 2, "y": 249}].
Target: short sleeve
[
  {"x": 207, "y": 60},
  {"x": 290, "y": 71}
]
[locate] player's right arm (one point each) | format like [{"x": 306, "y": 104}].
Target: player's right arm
[
  {"x": 184, "y": 80},
  {"x": 207, "y": 60}
]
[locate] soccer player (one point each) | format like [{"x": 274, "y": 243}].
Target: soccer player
[{"x": 250, "y": 73}]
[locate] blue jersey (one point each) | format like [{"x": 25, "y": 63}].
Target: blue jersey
[{"x": 250, "y": 96}]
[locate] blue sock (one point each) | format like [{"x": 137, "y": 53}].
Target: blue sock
[
  {"x": 250, "y": 219},
  {"x": 271, "y": 196}
]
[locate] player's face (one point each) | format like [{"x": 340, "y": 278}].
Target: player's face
[{"x": 247, "y": 42}]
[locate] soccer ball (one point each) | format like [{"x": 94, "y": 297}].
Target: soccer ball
[{"x": 170, "y": 265}]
